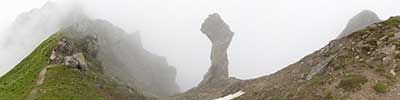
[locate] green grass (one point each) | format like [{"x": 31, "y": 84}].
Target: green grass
[
  {"x": 330, "y": 96},
  {"x": 380, "y": 68},
  {"x": 381, "y": 87},
  {"x": 316, "y": 80},
  {"x": 63, "y": 83},
  {"x": 17, "y": 84},
  {"x": 352, "y": 82},
  {"x": 393, "y": 21}
]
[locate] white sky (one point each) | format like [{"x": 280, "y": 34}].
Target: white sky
[{"x": 269, "y": 34}]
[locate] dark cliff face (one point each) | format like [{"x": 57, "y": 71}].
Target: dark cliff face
[
  {"x": 360, "y": 21},
  {"x": 123, "y": 57},
  {"x": 220, "y": 36}
]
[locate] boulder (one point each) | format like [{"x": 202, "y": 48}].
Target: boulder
[
  {"x": 81, "y": 61},
  {"x": 77, "y": 60},
  {"x": 71, "y": 62}
]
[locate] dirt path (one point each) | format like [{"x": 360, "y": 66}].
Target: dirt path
[{"x": 40, "y": 80}]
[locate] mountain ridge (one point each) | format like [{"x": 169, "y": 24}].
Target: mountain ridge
[
  {"x": 111, "y": 55},
  {"x": 361, "y": 65}
]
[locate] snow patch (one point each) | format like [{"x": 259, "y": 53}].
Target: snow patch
[{"x": 231, "y": 96}]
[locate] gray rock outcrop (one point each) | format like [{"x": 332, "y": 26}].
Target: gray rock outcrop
[
  {"x": 67, "y": 54},
  {"x": 76, "y": 61},
  {"x": 360, "y": 21},
  {"x": 220, "y": 36},
  {"x": 319, "y": 68}
]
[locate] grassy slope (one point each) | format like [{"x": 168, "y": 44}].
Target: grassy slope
[
  {"x": 17, "y": 84},
  {"x": 62, "y": 83},
  {"x": 69, "y": 84}
]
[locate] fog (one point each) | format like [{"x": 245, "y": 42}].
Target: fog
[{"x": 269, "y": 34}]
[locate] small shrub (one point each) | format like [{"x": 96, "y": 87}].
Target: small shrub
[
  {"x": 391, "y": 34},
  {"x": 381, "y": 87},
  {"x": 380, "y": 68},
  {"x": 352, "y": 82},
  {"x": 316, "y": 80},
  {"x": 330, "y": 96}
]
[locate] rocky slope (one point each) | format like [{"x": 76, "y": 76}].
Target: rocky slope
[
  {"x": 360, "y": 21},
  {"x": 360, "y": 66}
]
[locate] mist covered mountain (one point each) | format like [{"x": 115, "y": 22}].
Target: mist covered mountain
[
  {"x": 112, "y": 52},
  {"x": 59, "y": 51},
  {"x": 31, "y": 28},
  {"x": 123, "y": 56},
  {"x": 360, "y": 21}
]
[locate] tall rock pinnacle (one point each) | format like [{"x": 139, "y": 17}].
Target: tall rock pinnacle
[
  {"x": 220, "y": 36},
  {"x": 216, "y": 82}
]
